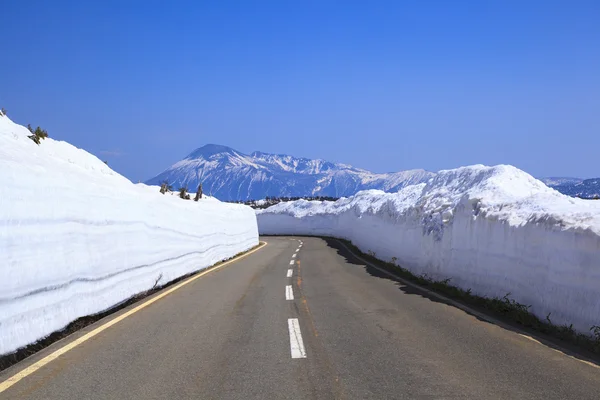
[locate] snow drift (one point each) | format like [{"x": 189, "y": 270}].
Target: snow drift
[
  {"x": 77, "y": 238},
  {"x": 496, "y": 230}
]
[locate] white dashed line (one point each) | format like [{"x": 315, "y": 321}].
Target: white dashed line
[
  {"x": 293, "y": 255},
  {"x": 289, "y": 274},
  {"x": 297, "y": 250},
  {"x": 296, "y": 344},
  {"x": 289, "y": 293},
  {"x": 291, "y": 262}
]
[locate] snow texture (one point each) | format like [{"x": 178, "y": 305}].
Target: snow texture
[
  {"x": 77, "y": 238},
  {"x": 495, "y": 230}
]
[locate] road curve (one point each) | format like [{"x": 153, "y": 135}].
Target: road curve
[{"x": 301, "y": 319}]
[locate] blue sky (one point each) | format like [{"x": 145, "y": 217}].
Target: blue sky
[{"x": 382, "y": 85}]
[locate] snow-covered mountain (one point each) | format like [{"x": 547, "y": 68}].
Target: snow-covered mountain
[{"x": 231, "y": 175}]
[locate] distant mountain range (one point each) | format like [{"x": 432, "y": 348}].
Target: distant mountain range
[
  {"x": 557, "y": 181},
  {"x": 231, "y": 175},
  {"x": 584, "y": 188}
]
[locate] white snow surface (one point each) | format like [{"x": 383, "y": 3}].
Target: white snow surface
[
  {"x": 495, "y": 230},
  {"x": 77, "y": 238}
]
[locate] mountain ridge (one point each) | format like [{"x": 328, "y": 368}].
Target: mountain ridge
[
  {"x": 585, "y": 188},
  {"x": 229, "y": 174},
  {"x": 553, "y": 181}
]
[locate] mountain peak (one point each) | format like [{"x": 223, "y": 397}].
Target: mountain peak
[{"x": 209, "y": 150}]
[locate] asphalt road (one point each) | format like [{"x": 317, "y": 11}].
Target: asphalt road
[{"x": 231, "y": 334}]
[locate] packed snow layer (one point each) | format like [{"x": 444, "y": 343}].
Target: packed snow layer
[
  {"x": 495, "y": 230},
  {"x": 76, "y": 238}
]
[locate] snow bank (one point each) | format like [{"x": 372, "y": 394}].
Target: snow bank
[
  {"x": 492, "y": 229},
  {"x": 77, "y": 238}
]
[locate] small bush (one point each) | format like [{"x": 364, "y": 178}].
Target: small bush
[
  {"x": 596, "y": 335},
  {"x": 198, "y": 193},
  {"x": 183, "y": 193},
  {"x": 41, "y": 133},
  {"x": 165, "y": 187},
  {"x": 38, "y": 134}
]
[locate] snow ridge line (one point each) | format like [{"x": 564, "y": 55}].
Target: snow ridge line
[{"x": 50, "y": 222}]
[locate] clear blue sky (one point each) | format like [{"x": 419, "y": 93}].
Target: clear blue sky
[{"x": 382, "y": 85}]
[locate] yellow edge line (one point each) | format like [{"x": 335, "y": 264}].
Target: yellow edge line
[{"x": 34, "y": 367}]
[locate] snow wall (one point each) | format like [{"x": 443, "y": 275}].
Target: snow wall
[
  {"x": 495, "y": 230},
  {"x": 76, "y": 238}
]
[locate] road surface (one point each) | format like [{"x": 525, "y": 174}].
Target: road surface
[{"x": 301, "y": 321}]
